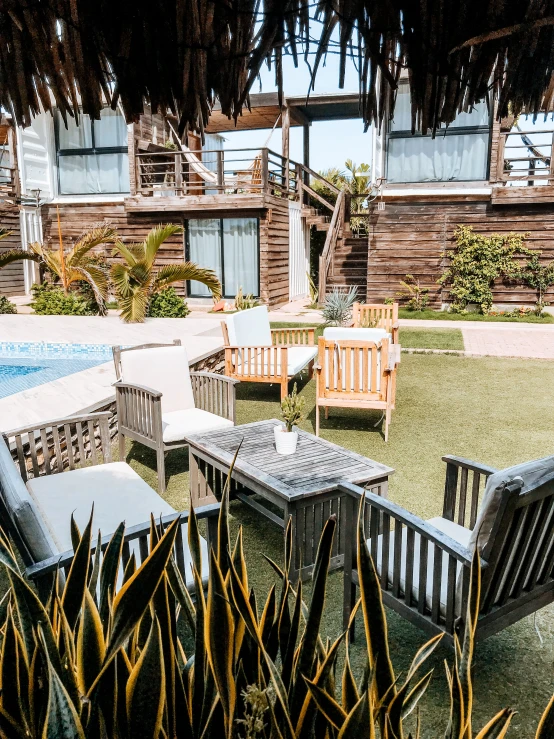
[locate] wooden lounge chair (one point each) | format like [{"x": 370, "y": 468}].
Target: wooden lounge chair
[
  {"x": 376, "y": 315},
  {"x": 159, "y": 400},
  {"x": 513, "y": 530},
  {"x": 254, "y": 352},
  {"x": 355, "y": 374},
  {"x": 64, "y": 467}
]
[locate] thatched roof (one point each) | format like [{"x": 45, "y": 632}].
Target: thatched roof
[{"x": 182, "y": 55}]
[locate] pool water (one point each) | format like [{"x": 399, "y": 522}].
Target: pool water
[{"x": 25, "y": 365}]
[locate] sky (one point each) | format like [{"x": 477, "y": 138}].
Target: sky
[{"x": 331, "y": 142}]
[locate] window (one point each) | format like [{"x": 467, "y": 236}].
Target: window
[
  {"x": 457, "y": 153},
  {"x": 230, "y": 247},
  {"x": 92, "y": 157}
]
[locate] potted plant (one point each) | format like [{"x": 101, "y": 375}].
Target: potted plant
[{"x": 292, "y": 411}]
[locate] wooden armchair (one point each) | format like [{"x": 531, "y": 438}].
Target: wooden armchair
[
  {"x": 355, "y": 374},
  {"x": 52, "y": 470},
  {"x": 159, "y": 400},
  {"x": 377, "y": 315},
  {"x": 513, "y": 531},
  {"x": 254, "y": 352}
]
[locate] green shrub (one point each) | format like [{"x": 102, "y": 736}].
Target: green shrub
[
  {"x": 6, "y": 306},
  {"x": 167, "y": 304},
  {"x": 94, "y": 661},
  {"x": 50, "y": 300}
]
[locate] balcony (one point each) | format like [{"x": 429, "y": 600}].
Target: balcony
[
  {"x": 525, "y": 167},
  {"x": 184, "y": 180}
]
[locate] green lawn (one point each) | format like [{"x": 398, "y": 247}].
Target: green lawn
[
  {"x": 493, "y": 410},
  {"x": 410, "y": 338},
  {"x": 440, "y": 315}
]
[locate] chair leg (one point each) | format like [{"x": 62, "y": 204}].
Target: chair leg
[
  {"x": 317, "y": 419},
  {"x": 387, "y": 422},
  {"x": 326, "y": 413},
  {"x": 122, "y": 455},
  {"x": 160, "y": 464},
  {"x": 311, "y": 370}
]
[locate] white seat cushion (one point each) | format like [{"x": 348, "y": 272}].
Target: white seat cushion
[
  {"x": 118, "y": 494},
  {"x": 451, "y": 529},
  {"x": 299, "y": 357},
  {"x": 178, "y": 424},
  {"x": 165, "y": 369},
  {"x": 116, "y": 490},
  {"x": 339, "y": 333},
  {"x": 262, "y": 362},
  {"x": 249, "y": 327}
]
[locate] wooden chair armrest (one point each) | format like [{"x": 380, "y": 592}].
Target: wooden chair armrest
[
  {"x": 483, "y": 469},
  {"x": 301, "y": 336},
  {"x": 96, "y": 416},
  {"x": 141, "y": 530},
  {"x": 154, "y": 394},
  {"x": 215, "y": 393}
]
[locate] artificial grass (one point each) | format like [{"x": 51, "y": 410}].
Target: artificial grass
[
  {"x": 492, "y": 410},
  {"x": 443, "y": 315},
  {"x": 409, "y": 338}
]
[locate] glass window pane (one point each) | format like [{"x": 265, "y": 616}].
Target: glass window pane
[
  {"x": 74, "y": 137},
  {"x": 110, "y": 130},
  {"x": 443, "y": 159},
  {"x": 205, "y": 249},
  {"x": 93, "y": 174},
  {"x": 479, "y": 116},
  {"x": 240, "y": 255}
]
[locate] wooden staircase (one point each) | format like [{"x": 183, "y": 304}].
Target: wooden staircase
[
  {"x": 314, "y": 218},
  {"x": 349, "y": 266}
]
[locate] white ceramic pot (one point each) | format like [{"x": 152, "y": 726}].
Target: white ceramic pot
[{"x": 285, "y": 441}]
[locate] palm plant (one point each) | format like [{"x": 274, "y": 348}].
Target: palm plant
[
  {"x": 74, "y": 265},
  {"x": 136, "y": 280}
]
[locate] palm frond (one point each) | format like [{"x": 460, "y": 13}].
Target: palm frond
[
  {"x": 121, "y": 280},
  {"x": 156, "y": 238},
  {"x": 4, "y": 232},
  {"x": 14, "y": 255},
  {"x": 87, "y": 241},
  {"x": 187, "y": 271},
  {"x": 134, "y": 306},
  {"x": 95, "y": 277},
  {"x": 131, "y": 253}
]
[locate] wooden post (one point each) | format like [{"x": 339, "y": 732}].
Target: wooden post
[
  {"x": 265, "y": 170},
  {"x": 306, "y": 151},
  {"x": 220, "y": 171},
  {"x": 299, "y": 185},
  {"x": 551, "y": 160},
  {"x": 178, "y": 175},
  {"x": 285, "y": 132}
]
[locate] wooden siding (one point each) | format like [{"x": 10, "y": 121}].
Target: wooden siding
[
  {"x": 11, "y": 277},
  {"x": 410, "y": 238},
  {"x": 133, "y": 227}
]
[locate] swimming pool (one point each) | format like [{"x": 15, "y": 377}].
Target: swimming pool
[{"x": 26, "y": 365}]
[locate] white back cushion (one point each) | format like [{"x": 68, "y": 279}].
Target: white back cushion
[
  {"x": 338, "y": 333},
  {"x": 249, "y": 327},
  {"x": 534, "y": 474},
  {"x": 163, "y": 368}
]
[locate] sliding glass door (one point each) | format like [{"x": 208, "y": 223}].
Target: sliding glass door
[{"x": 229, "y": 246}]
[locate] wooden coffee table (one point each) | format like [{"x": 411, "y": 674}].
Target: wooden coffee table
[{"x": 302, "y": 485}]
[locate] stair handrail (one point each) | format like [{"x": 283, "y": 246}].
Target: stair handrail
[{"x": 328, "y": 253}]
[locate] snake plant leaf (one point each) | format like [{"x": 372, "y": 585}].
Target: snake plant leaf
[
  {"x": 9, "y": 729},
  {"x": 130, "y": 568},
  {"x": 350, "y": 695},
  {"x": 307, "y": 714},
  {"x": 7, "y": 557},
  {"x": 199, "y": 684},
  {"x": 133, "y": 599},
  {"x": 75, "y": 533},
  {"x": 77, "y": 580},
  {"x": 91, "y": 645},
  {"x": 423, "y": 654},
  {"x": 109, "y": 570},
  {"x": 294, "y": 633},
  {"x": 146, "y": 689},
  {"x": 360, "y": 721},
  {"x": 95, "y": 573},
  {"x": 333, "y": 711},
  {"x": 309, "y": 643},
  {"x": 13, "y": 671},
  {"x": 281, "y": 695},
  {"x": 413, "y": 697},
  {"x": 498, "y": 726},
  {"x": 267, "y": 618},
  {"x": 220, "y": 628},
  {"x": 62, "y": 720},
  {"x": 545, "y": 728},
  {"x": 457, "y": 723},
  {"x": 162, "y": 607},
  {"x": 223, "y": 535},
  {"x": 181, "y": 593},
  {"x": 194, "y": 541},
  {"x": 375, "y": 622},
  {"x": 466, "y": 658}
]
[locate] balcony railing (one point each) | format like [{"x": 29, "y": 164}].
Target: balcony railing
[
  {"x": 525, "y": 158},
  {"x": 210, "y": 172}
]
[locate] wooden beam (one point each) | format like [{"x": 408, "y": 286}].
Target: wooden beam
[
  {"x": 285, "y": 133},
  {"x": 306, "y": 152}
]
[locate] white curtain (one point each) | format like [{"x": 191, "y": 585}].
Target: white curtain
[
  {"x": 74, "y": 136},
  {"x": 240, "y": 255},
  {"x": 93, "y": 174},
  {"x": 402, "y": 121},
  {"x": 110, "y": 130},
  {"x": 442, "y": 159},
  {"x": 205, "y": 249}
]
